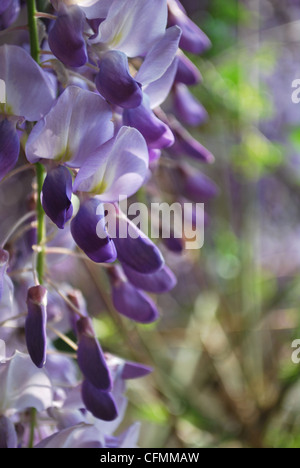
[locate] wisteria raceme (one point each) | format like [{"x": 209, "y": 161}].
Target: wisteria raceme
[{"x": 83, "y": 127}]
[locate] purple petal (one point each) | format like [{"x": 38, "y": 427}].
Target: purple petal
[
  {"x": 196, "y": 186},
  {"x": 101, "y": 404},
  {"x": 8, "y": 435},
  {"x": 159, "y": 90},
  {"x": 66, "y": 39},
  {"x": 193, "y": 38},
  {"x": 4, "y": 5},
  {"x": 4, "y": 259},
  {"x": 90, "y": 356},
  {"x": 132, "y": 26},
  {"x": 187, "y": 72},
  {"x": 85, "y": 229},
  {"x": 132, "y": 370},
  {"x": 174, "y": 244},
  {"x": 57, "y": 194},
  {"x": 118, "y": 169},
  {"x": 9, "y": 147},
  {"x": 115, "y": 83},
  {"x": 135, "y": 249},
  {"x": 160, "y": 57},
  {"x": 187, "y": 108},
  {"x": 133, "y": 303},
  {"x": 35, "y": 326},
  {"x": 156, "y": 133},
  {"x": 10, "y": 13},
  {"x": 95, "y": 9},
  {"x": 185, "y": 144},
  {"x": 160, "y": 282},
  {"x": 78, "y": 124},
  {"x": 25, "y": 83}
]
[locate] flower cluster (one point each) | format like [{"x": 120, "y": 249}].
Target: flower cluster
[{"x": 87, "y": 113}]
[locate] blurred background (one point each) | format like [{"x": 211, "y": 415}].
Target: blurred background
[{"x": 222, "y": 351}]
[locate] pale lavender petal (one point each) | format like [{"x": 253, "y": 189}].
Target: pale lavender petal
[
  {"x": 78, "y": 124},
  {"x": 9, "y": 147},
  {"x": 159, "y": 90},
  {"x": 158, "y": 283},
  {"x": 8, "y": 435},
  {"x": 126, "y": 23},
  {"x": 25, "y": 83},
  {"x": 160, "y": 57},
  {"x": 118, "y": 170}
]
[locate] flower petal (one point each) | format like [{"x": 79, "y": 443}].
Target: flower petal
[
  {"x": 187, "y": 108},
  {"x": 115, "y": 83},
  {"x": 9, "y": 147},
  {"x": 101, "y": 404},
  {"x": 187, "y": 72},
  {"x": 4, "y": 259},
  {"x": 66, "y": 39},
  {"x": 160, "y": 57},
  {"x": 25, "y": 83},
  {"x": 156, "y": 133},
  {"x": 135, "y": 249},
  {"x": 35, "y": 327},
  {"x": 8, "y": 435},
  {"x": 126, "y": 23},
  {"x": 90, "y": 356},
  {"x": 159, "y": 90},
  {"x": 85, "y": 229},
  {"x": 78, "y": 124},
  {"x": 118, "y": 170},
  {"x": 133, "y": 370},
  {"x": 160, "y": 282},
  {"x": 57, "y": 194}
]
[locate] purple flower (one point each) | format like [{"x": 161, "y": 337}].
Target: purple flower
[
  {"x": 158, "y": 283},
  {"x": 101, "y": 404}
]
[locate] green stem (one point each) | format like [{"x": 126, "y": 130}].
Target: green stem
[
  {"x": 41, "y": 227},
  {"x": 33, "y": 31},
  {"x": 40, "y": 171},
  {"x": 32, "y": 427}
]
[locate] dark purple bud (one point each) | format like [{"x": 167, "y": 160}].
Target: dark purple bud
[
  {"x": 101, "y": 404},
  {"x": 131, "y": 302},
  {"x": 158, "y": 283},
  {"x": 57, "y": 194},
  {"x": 135, "y": 249},
  {"x": 156, "y": 133},
  {"x": 66, "y": 38},
  {"x": 90, "y": 356},
  {"x": 35, "y": 326},
  {"x": 132, "y": 370},
  {"x": 8, "y": 435},
  {"x": 115, "y": 83},
  {"x": 185, "y": 144},
  {"x": 174, "y": 244},
  {"x": 9, "y": 147},
  {"x": 196, "y": 186},
  {"x": 193, "y": 39},
  {"x": 187, "y": 108},
  {"x": 4, "y": 259},
  {"x": 187, "y": 72},
  {"x": 86, "y": 227}
]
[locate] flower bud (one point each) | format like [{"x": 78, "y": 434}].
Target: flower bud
[
  {"x": 85, "y": 231},
  {"x": 35, "y": 326},
  {"x": 57, "y": 194},
  {"x": 66, "y": 39},
  {"x": 131, "y": 302},
  {"x": 90, "y": 356},
  {"x": 101, "y": 404}
]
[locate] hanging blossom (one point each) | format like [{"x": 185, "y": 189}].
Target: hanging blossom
[{"x": 106, "y": 109}]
